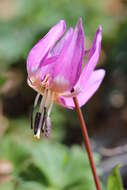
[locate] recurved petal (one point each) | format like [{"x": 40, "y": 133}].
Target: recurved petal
[
  {"x": 87, "y": 90},
  {"x": 41, "y": 49},
  {"x": 93, "y": 56},
  {"x": 69, "y": 63}
]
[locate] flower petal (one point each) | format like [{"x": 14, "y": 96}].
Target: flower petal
[
  {"x": 93, "y": 56},
  {"x": 59, "y": 46},
  {"x": 50, "y": 61},
  {"x": 41, "y": 49},
  {"x": 69, "y": 63},
  {"x": 53, "y": 54},
  {"x": 87, "y": 90}
]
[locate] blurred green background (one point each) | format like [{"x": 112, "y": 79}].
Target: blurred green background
[{"x": 61, "y": 163}]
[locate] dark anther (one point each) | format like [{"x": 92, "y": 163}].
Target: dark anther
[
  {"x": 43, "y": 121},
  {"x": 36, "y": 122},
  {"x": 40, "y": 98},
  {"x": 31, "y": 117},
  {"x": 72, "y": 90},
  {"x": 42, "y": 130}
]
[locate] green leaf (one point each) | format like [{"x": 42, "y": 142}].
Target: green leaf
[
  {"x": 114, "y": 180},
  {"x": 2, "y": 80},
  {"x": 50, "y": 165},
  {"x": 30, "y": 186},
  {"x": 7, "y": 186},
  {"x": 12, "y": 150}
]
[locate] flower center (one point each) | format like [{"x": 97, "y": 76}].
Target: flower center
[
  {"x": 50, "y": 93},
  {"x": 38, "y": 85}
]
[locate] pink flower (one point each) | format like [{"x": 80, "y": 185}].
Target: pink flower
[{"x": 56, "y": 70}]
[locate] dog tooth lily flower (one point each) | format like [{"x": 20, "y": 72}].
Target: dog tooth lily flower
[{"x": 56, "y": 70}]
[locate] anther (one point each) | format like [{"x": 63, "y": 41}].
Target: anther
[
  {"x": 36, "y": 122},
  {"x": 47, "y": 126},
  {"x": 43, "y": 121},
  {"x": 32, "y": 108},
  {"x": 31, "y": 117}
]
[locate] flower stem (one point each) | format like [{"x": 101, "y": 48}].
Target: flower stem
[{"x": 87, "y": 143}]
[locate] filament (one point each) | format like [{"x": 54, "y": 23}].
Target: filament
[
  {"x": 43, "y": 101},
  {"x": 36, "y": 99},
  {"x": 51, "y": 103}
]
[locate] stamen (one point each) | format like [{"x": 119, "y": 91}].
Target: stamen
[
  {"x": 40, "y": 125},
  {"x": 36, "y": 99},
  {"x": 43, "y": 101},
  {"x": 47, "y": 120},
  {"x": 45, "y": 81},
  {"x": 41, "y": 110},
  {"x": 48, "y": 99},
  {"x": 48, "y": 126},
  {"x": 51, "y": 103},
  {"x": 38, "y": 134},
  {"x": 43, "y": 121},
  {"x": 31, "y": 117},
  {"x": 32, "y": 109},
  {"x": 36, "y": 122}
]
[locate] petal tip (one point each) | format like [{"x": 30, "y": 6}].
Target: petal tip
[
  {"x": 99, "y": 33},
  {"x": 100, "y": 28},
  {"x": 79, "y": 23},
  {"x": 79, "y": 27},
  {"x": 80, "y": 19},
  {"x": 101, "y": 73},
  {"x": 63, "y": 23}
]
